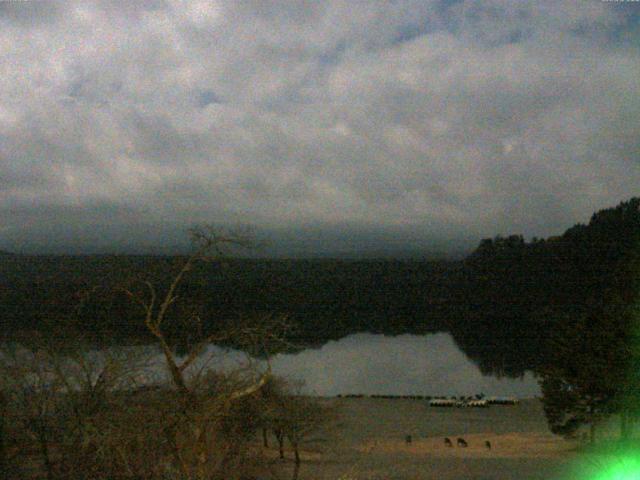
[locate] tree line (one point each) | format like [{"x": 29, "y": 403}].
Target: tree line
[
  {"x": 566, "y": 308},
  {"x": 72, "y": 409},
  {"x": 326, "y": 299}
]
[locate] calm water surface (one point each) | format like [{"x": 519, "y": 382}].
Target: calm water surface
[
  {"x": 362, "y": 363},
  {"x": 377, "y": 364}
]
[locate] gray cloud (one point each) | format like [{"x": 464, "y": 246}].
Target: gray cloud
[
  {"x": 29, "y": 14},
  {"x": 438, "y": 121}
]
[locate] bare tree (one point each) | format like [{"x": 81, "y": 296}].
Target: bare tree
[
  {"x": 305, "y": 418},
  {"x": 32, "y": 403},
  {"x": 209, "y": 245},
  {"x": 93, "y": 383},
  {"x": 202, "y": 440},
  {"x": 273, "y": 396},
  {"x": 60, "y": 392},
  {"x": 81, "y": 406},
  {"x": 296, "y": 417}
]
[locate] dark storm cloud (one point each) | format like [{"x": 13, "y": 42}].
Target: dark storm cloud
[{"x": 369, "y": 123}]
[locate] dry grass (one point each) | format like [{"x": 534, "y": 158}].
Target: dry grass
[
  {"x": 369, "y": 444},
  {"x": 509, "y": 445}
]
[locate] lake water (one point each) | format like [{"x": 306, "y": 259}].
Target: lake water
[
  {"x": 377, "y": 364},
  {"x": 362, "y": 363}
]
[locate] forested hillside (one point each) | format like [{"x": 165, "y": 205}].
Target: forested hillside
[
  {"x": 325, "y": 299},
  {"x": 500, "y": 304},
  {"x": 516, "y": 291}
]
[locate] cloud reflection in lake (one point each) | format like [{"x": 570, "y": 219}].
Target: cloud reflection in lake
[{"x": 401, "y": 365}]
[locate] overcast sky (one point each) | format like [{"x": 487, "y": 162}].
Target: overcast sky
[{"x": 334, "y": 126}]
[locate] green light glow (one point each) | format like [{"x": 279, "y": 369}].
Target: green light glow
[
  {"x": 625, "y": 470},
  {"x": 619, "y": 467}
]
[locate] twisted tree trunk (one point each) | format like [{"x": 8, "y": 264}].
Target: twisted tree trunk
[
  {"x": 280, "y": 437},
  {"x": 296, "y": 467},
  {"x": 3, "y": 448}
]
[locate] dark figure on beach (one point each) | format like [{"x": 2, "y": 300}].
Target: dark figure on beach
[
  {"x": 447, "y": 442},
  {"x": 462, "y": 442},
  {"x": 407, "y": 439},
  {"x": 487, "y": 444}
]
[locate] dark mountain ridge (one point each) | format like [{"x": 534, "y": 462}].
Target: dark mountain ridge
[{"x": 499, "y": 304}]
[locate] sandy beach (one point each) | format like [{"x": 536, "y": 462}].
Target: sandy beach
[{"x": 369, "y": 442}]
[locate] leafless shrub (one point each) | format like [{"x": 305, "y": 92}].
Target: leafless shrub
[
  {"x": 213, "y": 415},
  {"x": 290, "y": 415},
  {"x": 89, "y": 417},
  {"x": 31, "y": 403},
  {"x": 60, "y": 394}
]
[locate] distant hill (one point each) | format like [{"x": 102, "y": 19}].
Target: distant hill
[
  {"x": 518, "y": 291},
  {"x": 325, "y": 298},
  {"x": 499, "y": 304}
]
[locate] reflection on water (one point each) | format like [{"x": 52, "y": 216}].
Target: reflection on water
[
  {"x": 361, "y": 363},
  {"x": 377, "y": 364},
  {"x": 402, "y": 365}
]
